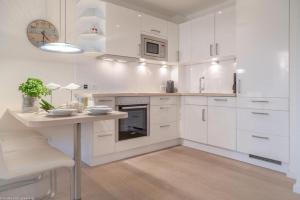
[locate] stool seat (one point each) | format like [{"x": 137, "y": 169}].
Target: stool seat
[{"x": 32, "y": 161}]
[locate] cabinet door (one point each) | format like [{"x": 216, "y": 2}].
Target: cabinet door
[
  {"x": 202, "y": 38},
  {"x": 154, "y": 25},
  {"x": 195, "y": 123},
  {"x": 122, "y": 31},
  {"x": 185, "y": 42},
  {"x": 225, "y": 32},
  {"x": 222, "y": 127},
  {"x": 263, "y": 48},
  {"x": 173, "y": 37}
]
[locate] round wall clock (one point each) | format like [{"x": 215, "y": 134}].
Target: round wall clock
[{"x": 40, "y": 32}]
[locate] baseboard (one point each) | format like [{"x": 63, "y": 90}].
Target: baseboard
[
  {"x": 236, "y": 156},
  {"x": 291, "y": 175},
  {"x": 133, "y": 152},
  {"x": 297, "y": 187}
]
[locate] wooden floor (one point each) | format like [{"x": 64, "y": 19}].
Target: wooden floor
[{"x": 181, "y": 173}]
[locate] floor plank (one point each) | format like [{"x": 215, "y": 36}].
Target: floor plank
[{"x": 180, "y": 173}]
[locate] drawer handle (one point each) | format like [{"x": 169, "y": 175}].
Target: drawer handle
[
  {"x": 105, "y": 100},
  {"x": 106, "y": 135},
  {"x": 164, "y": 108},
  {"x": 155, "y": 31},
  {"x": 164, "y": 98},
  {"x": 260, "y": 101},
  {"x": 221, "y": 99},
  {"x": 260, "y": 137},
  {"x": 260, "y": 113},
  {"x": 165, "y": 126}
]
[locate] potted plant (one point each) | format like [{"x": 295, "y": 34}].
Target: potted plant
[{"x": 33, "y": 89}]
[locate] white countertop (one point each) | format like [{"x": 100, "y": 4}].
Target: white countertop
[
  {"x": 36, "y": 120},
  {"x": 133, "y": 94}
]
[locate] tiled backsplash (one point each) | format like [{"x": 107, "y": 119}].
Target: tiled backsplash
[{"x": 218, "y": 77}]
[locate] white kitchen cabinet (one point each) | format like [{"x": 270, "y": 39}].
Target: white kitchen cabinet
[
  {"x": 154, "y": 26},
  {"x": 163, "y": 118},
  {"x": 103, "y": 144},
  {"x": 264, "y": 145},
  {"x": 202, "y": 36},
  {"x": 185, "y": 42},
  {"x": 195, "y": 123},
  {"x": 173, "y": 39},
  {"x": 207, "y": 37},
  {"x": 225, "y": 32},
  {"x": 263, "y": 48},
  {"x": 123, "y": 27},
  {"x": 222, "y": 127}
]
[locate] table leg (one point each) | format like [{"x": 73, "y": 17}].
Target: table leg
[{"x": 77, "y": 159}]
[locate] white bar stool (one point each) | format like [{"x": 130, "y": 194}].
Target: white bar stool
[{"x": 28, "y": 154}]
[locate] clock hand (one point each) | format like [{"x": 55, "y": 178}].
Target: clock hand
[{"x": 44, "y": 36}]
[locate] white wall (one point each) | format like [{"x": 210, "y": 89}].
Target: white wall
[{"x": 295, "y": 94}]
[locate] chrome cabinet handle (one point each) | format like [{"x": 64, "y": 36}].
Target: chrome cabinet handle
[
  {"x": 165, "y": 126},
  {"x": 201, "y": 84},
  {"x": 105, "y": 100},
  {"x": 221, "y": 99},
  {"x": 133, "y": 107},
  {"x": 217, "y": 49},
  {"x": 106, "y": 135},
  {"x": 155, "y": 31},
  {"x": 260, "y": 113},
  {"x": 260, "y": 101},
  {"x": 164, "y": 108},
  {"x": 260, "y": 137},
  {"x": 203, "y": 115},
  {"x": 239, "y": 86},
  {"x": 211, "y": 50},
  {"x": 166, "y": 98}
]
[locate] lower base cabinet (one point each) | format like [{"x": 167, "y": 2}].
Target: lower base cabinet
[
  {"x": 264, "y": 145},
  {"x": 195, "y": 123},
  {"x": 164, "y": 132},
  {"x": 222, "y": 127}
]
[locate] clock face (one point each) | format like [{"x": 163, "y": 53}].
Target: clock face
[{"x": 40, "y": 32}]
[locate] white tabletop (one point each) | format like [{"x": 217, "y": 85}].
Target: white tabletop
[{"x": 36, "y": 120}]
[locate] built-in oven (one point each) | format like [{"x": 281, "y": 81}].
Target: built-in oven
[
  {"x": 137, "y": 123},
  {"x": 154, "y": 48}
]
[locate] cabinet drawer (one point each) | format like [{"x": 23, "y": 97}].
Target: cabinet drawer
[
  {"x": 264, "y": 121},
  {"x": 107, "y": 101},
  {"x": 222, "y": 101},
  {"x": 104, "y": 126},
  {"x": 272, "y": 147},
  {"x": 104, "y": 144},
  {"x": 163, "y": 114},
  {"x": 163, "y": 132},
  {"x": 154, "y": 26},
  {"x": 264, "y": 103},
  {"x": 194, "y": 100},
  {"x": 163, "y": 100}
]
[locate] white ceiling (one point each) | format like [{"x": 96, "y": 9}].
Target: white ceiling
[{"x": 173, "y": 10}]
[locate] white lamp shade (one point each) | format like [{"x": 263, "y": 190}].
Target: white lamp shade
[
  {"x": 72, "y": 86},
  {"x": 53, "y": 86}
]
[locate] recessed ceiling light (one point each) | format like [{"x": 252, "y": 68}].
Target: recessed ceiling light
[{"x": 220, "y": 12}]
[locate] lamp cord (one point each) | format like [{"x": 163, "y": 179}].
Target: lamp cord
[{"x": 65, "y": 21}]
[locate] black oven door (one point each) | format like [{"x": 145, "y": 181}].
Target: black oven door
[{"x": 136, "y": 125}]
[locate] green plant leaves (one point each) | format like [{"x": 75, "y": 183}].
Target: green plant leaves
[{"x": 34, "y": 87}]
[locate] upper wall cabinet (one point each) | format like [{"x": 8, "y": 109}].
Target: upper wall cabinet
[
  {"x": 173, "y": 37},
  {"x": 225, "y": 32},
  {"x": 202, "y": 38},
  {"x": 185, "y": 42},
  {"x": 208, "y": 37},
  {"x": 154, "y": 26},
  {"x": 122, "y": 31},
  {"x": 263, "y": 48}
]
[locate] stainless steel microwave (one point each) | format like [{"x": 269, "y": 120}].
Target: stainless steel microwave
[{"x": 154, "y": 48}]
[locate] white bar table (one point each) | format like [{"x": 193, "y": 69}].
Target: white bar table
[{"x": 34, "y": 120}]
